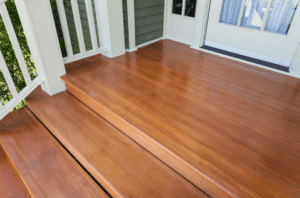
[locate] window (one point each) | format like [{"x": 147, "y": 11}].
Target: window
[
  {"x": 177, "y": 7},
  {"x": 189, "y": 7},
  {"x": 268, "y": 15}
]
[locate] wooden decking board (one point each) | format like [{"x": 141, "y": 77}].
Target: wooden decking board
[
  {"x": 250, "y": 134},
  {"x": 40, "y": 162},
  {"x": 213, "y": 67},
  {"x": 11, "y": 184},
  {"x": 213, "y": 121},
  {"x": 120, "y": 165},
  {"x": 197, "y": 94},
  {"x": 211, "y": 157},
  {"x": 269, "y": 78},
  {"x": 234, "y": 86},
  {"x": 207, "y": 185},
  {"x": 156, "y": 107}
]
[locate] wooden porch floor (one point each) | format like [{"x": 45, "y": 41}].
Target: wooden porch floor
[{"x": 211, "y": 119}]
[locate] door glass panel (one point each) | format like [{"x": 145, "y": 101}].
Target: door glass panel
[
  {"x": 190, "y": 8},
  {"x": 254, "y": 13},
  {"x": 230, "y": 11},
  {"x": 281, "y": 15},
  {"x": 177, "y": 7}
]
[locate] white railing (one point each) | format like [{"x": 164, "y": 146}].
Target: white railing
[
  {"x": 78, "y": 26},
  {"x": 39, "y": 28},
  {"x": 31, "y": 85}
]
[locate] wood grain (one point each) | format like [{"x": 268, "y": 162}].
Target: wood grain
[
  {"x": 120, "y": 165},
  {"x": 11, "y": 184},
  {"x": 44, "y": 169},
  {"x": 215, "y": 121}
]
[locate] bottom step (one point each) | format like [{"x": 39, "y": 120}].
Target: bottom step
[
  {"x": 42, "y": 164},
  {"x": 119, "y": 164},
  {"x": 11, "y": 184}
]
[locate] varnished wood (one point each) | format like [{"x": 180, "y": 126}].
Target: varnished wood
[
  {"x": 119, "y": 164},
  {"x": 215, "y": 121},
  {"x": 40, "y": 162},
  {"x": 11, "y": 184}
]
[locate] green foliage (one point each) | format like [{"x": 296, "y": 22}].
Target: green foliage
[
  {"x": 10, "y": 57},
  {"x": 9, "y": 54}
]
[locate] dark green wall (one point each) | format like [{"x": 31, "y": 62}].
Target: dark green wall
[
  {"x": 85, "y": 25},
  {"x": 149, "y": 20}
]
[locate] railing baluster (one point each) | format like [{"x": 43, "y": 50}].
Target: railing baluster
[
  {"x": 64, "y": 25},
  {"x": 89, "y": 9},
  {"x": 78, "y": 25},
  {"x": 1, "y": 107},
  {"x": 7, "y": 77},
  {"x": 15, "y": 43}
]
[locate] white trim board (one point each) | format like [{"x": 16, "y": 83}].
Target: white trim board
[
  {"x": 150, "y": 42},
  {"x": 144, "y": 44},
  {"x": 293, "y": 74},
  {"x": 80, "y": 56},
  {"x": 249, "y": 54},
  {"x": 184, "y": 41}
]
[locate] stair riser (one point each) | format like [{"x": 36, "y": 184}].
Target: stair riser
[{"x": 165, "y": 155}]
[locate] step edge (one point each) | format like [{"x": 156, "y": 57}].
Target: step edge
[
  {"x": 167, "y": 168},
  {"x": 182, "y": 162},
  {"x": 93, "y": 172},
  {"x": 66, "y": 154},
  {"x": 19, "y": 175}
]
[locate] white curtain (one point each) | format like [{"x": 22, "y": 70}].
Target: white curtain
[
  {"x": 254, "y": 13},
  {"x": 281, "y": 14},
  {"x": 279, "y": 19},
  {"x": 230, "y": 11}
]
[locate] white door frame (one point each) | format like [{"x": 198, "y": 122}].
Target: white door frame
[{"x": 201, "y": 23}]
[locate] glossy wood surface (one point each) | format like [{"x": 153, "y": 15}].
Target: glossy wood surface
[
  {"x": 11, "y": 184},
  {"x": 41, "y": 164},
  {"x": 119, "y": 164},
  {"x": 215, "y": 121}
]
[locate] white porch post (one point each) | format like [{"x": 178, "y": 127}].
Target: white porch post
[
  {"x": 38, "y": 24},
  {"x": 110, "y": 23},
  {"x": 131, "y": 25}
]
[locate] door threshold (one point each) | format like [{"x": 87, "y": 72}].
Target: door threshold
[{"x": 246, "y": 58}]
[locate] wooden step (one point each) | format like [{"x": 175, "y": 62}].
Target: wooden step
[
  {"x": 44, "y": 167},
  {"x": 11, "y": 185},
  {"x": 120, "y": 165},
  {"x": 214, "y": 135}
]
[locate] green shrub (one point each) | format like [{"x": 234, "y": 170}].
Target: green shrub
[{"x": 10, "y": 57}]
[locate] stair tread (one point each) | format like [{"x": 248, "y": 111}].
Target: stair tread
[
  {"x": 40, "y": 161},
  {"x": 119, "y": 164},
  {"x": 142, "y": 97},
  {"x": 11, "y": 184}
]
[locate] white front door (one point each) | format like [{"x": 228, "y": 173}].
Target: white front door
[
  {"x": 181, "y": 20},
  {"x": 268, "y": 30}
]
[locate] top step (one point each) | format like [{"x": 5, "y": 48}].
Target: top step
[
  {"x": 46, "y": 169},
  {"x": 227, "y": 129},
  {"x": 119, "y": 164}
]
